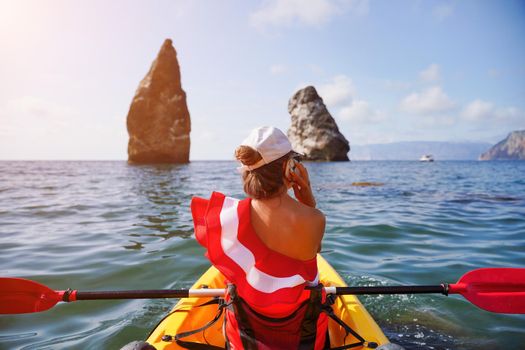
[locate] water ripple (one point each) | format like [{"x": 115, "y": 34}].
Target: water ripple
[{"x": 109, "y": 225}]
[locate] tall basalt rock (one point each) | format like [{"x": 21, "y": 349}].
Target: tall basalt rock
[
  {"x": 512, "y": 148},
  {"x": 313, "y": 131},
  {"x": 158, "y": 120}
]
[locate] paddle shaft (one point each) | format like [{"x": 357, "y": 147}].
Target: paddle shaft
[
  {"x": 499, "y": 290},
  {"x": 441, "y": 289},
  {"x": 140, "y": 294},
  {"x": 205, "y": 292}
]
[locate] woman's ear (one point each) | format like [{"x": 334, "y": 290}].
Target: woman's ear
[
  {"x": 288, "y": 184},
  {"x": 288, "y": 170}
]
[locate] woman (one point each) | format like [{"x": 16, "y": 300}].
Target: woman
[{"x": 266, "y": 246}]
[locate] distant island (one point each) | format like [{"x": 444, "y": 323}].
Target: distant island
[
  {"x": 512, "y": 148},
  {"x": 413, "y": 150}
]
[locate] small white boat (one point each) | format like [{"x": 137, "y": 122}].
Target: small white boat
[{"x": 426, "y": 158}]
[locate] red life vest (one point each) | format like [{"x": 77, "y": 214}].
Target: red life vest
[{"x": 269, "y": 286}]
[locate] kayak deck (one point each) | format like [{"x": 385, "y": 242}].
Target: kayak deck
[{"x": 186, "y": 316}]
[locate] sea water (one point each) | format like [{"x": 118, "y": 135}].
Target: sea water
[{"x": 110, "y": 226}]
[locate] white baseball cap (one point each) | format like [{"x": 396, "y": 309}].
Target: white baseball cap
[{"x": 270, "y": 142}]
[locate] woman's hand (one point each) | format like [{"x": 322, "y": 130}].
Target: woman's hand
[{"x": 301, "y": 186}]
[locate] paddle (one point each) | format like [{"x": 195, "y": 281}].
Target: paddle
[{"x": 499, "y": 290}]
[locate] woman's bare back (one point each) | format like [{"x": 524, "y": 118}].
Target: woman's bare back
[{"x": 288, "y": 226}]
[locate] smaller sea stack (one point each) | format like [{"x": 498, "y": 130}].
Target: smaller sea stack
[
  {"x": 314, "y": 132},
  {"x": 158, "y": 120}
]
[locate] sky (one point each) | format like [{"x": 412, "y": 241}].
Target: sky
[{"x": 388, "y": 71}]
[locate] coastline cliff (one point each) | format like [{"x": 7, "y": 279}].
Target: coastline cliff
[{"x": 511, "y": 148}]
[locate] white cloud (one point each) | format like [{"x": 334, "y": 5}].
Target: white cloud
[
  {"x": 478, "y": 110},
  {"x": 429, "y": 101},
  {"x": 484, "y": 111},
  {"x": 314, "y": 12},
  {"x": 511, "y": 113},
  {"x": 431, "y": 74},
  {"x": 277, "y": 69},
  {"x": 442, "y": 11},
  {"x": 340, "y": 96},
  {"x": 337, "y": 92},
  {"x": 360, "y": 111},
  {"x": 396, "y": 85}
]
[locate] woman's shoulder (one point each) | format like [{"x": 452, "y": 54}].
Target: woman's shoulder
[
  {"x": 309, "y": 213},
  {"x": 311, "y": 223},
  {"x": 310, "y": 220}
]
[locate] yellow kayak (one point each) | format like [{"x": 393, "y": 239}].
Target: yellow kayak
[{"x": 186, "y": 316}]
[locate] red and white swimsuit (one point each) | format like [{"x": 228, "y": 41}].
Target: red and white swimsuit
[
  {"x": 264, "y": 278},
  {"x": 268, "y": 283}
]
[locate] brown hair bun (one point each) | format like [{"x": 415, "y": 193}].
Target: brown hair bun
[
  {"x": 247, "y": 155},
  {"x": 264, "y": 182}
]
